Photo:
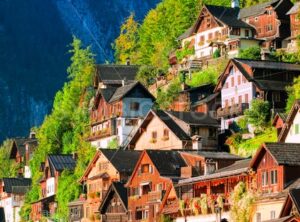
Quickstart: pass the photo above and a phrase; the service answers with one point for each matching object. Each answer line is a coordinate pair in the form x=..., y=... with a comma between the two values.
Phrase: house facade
x=271, y=22
x=116, y=112
x=167, y=130
x=12, y=196
x=294, y=26
x=52, y=168
x=107, y=166
x=152, y=175
x=276, y=166
x=245, y=80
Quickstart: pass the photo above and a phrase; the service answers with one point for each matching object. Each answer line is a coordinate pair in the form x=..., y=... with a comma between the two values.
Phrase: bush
x=217, y=53
x=250, y=53
x=207, y=76
x=147, y=74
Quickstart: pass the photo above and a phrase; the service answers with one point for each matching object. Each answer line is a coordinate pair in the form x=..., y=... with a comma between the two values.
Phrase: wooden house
x=114, y=75
x=214, y=186
x=107, y=166
x=276, y=166
x=270, y=20
x=52, y=168
x=167, y=130
x=189, y=99
x=218, y=28
x=290, y=132
x=115, y=113
x=12, y=196
x=244, y=80
x=76, y=209
x=279, y=121
x=114, y=207
x=153, y=174
x=295, y=27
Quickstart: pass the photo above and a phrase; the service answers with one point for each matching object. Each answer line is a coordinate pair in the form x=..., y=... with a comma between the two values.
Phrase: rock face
x=34, y=38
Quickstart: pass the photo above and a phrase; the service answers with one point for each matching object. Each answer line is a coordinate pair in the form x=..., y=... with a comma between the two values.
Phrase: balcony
x=107, y=132
x=232, y=111
x=154, y=196
x=191, y=65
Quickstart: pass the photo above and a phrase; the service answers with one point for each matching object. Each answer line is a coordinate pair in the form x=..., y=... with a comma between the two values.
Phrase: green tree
x=258, y=114
x=250, y=53
x=293, y=93
x=147, y=74
x=8, y=167
x=126, y=44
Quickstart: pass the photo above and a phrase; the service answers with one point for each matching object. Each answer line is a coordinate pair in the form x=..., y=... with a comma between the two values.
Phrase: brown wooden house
x=270, y=21
x=153, y=174
x=294, y=25
x=107, y=166
x=167, y=130
x=114, y=207
x=279, y=121
x=52, y=168
x=276, y=166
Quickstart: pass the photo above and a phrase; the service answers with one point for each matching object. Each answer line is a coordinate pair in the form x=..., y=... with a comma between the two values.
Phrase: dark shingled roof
x=208, y=98
x=266, y=64
x=294, y=9
x=227, y=15
x=189, y=32
x=172, y=125
x=168, y=163
x=295, y=195
x=257, y=9
x=61, y=162
x=115, y=188
x=114, y=74
x=122, y=91
x=285, y=153
x=271, y=85
x=107, y=93
x=123, y=160
x=195, y=118
x=16, y=185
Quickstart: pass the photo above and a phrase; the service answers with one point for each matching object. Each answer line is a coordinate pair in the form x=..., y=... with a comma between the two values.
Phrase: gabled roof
x=194, y=118
x=188, y=33
x=295, y=9
x=19, y=145
x=168, y=162
x=16, y=185
x=227, y=16
x=120, y=190
x=282, y=116
x=289, y=121
x=239, y=167
x=258, y=9
x=287, y=154
x=114, y=74
x=61, y=162
x=123, y=161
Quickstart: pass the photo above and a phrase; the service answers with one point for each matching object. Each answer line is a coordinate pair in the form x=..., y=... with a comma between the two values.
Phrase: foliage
x=164, y=218
x=185, y=51
x=247, y=147
x=147, y=74
x=209, y=75
x=217, y=53
x=8, y=167
x=166, y=97
x=113, y=144
x=203, y=204
x=196, y=205
x=250, y=53
x=126, y=44
x=220, y=201
x=258, y=115
x=243, y=124
x=293, y=93
x=181, y=207
x=241, y=202
x=65, y=129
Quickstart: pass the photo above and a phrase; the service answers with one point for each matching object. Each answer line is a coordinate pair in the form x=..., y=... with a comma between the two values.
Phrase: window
x=269, y=28
x=232, y=101
x=273, y=214
x=146, y=189
x=239, y=80
x=159, y=187
x=202, y=38
x=131, y=122
x=247, y=33
x=276, y=96
x=264, y=178
x=225, y=31
x=274, y=177
x=208, y=22
x=236, y=31
x=146, y=168
x=210, y=36
x=216, y=35
x=240, y=99
x=258, y=217
x=166, y=134
x=232, y=81
x=226, y=102
x=246, y=98
x=269, y=12
x=297, y=128
x=154, y=135
x=134, y=106
x=226, y=85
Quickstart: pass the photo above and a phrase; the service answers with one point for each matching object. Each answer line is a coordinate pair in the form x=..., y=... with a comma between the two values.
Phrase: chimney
x=197, y=142
x=235, y=4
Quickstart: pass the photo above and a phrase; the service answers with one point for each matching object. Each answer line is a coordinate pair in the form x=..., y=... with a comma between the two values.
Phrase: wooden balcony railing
x=192, y=64
x=154, y=196
x=231, y=111
x=101, y=134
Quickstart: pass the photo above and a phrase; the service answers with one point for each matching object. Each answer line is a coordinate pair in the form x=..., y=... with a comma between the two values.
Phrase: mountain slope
x=34, y=36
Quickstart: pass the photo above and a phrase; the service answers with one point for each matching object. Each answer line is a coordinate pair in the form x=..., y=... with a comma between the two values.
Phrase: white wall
x=203, y=218
x=27, y=173
x=50, y=186
x=10, y=210
x=293, y=136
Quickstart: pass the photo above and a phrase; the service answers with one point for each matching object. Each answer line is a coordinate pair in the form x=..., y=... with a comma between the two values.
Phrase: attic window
x=208, y=23
x=166, y=134
x=146, y=168
x=269, y=12
x=134, y=106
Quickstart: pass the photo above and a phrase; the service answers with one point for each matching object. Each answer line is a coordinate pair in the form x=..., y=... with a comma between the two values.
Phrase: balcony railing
x=231, y=111
x=154, y=196
x=191, y=64
x=101, y=134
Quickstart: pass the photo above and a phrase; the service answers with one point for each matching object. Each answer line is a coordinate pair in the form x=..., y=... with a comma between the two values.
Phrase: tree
x=250, y=53
x=8, y=167
x=293, y=93
x=126, y=44
x=147, y=74
x=258, y=114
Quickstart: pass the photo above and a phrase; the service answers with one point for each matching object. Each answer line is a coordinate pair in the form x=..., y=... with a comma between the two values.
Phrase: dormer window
x=264, y=178
x=146, y=168
x=274, y=177
x=134, y=106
